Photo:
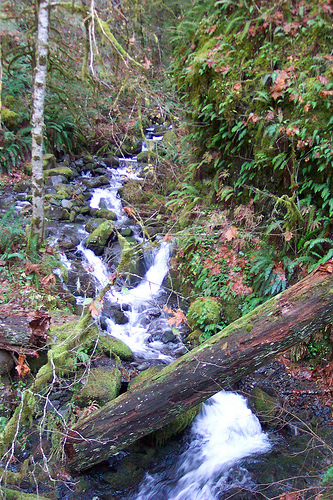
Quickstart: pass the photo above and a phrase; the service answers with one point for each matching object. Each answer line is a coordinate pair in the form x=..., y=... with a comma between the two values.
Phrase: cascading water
x=225, y=431
x=222, y=434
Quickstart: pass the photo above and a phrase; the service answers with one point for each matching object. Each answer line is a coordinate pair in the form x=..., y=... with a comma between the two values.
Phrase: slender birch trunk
x=37, y=222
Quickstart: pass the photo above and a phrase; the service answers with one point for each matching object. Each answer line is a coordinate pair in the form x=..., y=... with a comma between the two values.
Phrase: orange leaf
x=95, y=307
x=177, y=318
x=231, y=233
x=237, y=87
x=288, y=236
x=22, y=369
x=130, y=211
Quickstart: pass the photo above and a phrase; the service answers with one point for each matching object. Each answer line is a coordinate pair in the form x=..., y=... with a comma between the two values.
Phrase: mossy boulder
x=102, y=385
x=65, y=171
x=193, y=339
x=9, y=117
x=202, y=312
x=264, y=406
x=103, y=213
x=130, y=253
x=110, y=345
x=49, y=162
x=101, y=235
x=93, y=224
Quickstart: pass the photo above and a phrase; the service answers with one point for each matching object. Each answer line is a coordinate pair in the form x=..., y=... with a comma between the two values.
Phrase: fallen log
x=217, y=364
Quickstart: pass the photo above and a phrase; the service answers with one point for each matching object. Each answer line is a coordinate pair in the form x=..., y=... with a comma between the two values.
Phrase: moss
x=102, y=385
x=203, y=311
x=65, y=171
x=144, y=376
x=19, y=495
x=129, y=255
x=9, y=117
x=265, y=406
x=102, y=234
x=104, y=213
x=110, y=345
x=174, y=428
x=15, y=478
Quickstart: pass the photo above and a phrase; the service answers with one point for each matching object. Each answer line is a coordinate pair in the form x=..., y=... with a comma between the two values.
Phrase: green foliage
x=205, y=314
x=261, y=101
x=61, y=134
x=11, y=235
x=14, y=148
x=328, y=476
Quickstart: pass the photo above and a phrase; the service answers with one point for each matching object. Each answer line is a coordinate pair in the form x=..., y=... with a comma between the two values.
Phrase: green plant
x=205, y=314
x=14, y=148
x=11, y=235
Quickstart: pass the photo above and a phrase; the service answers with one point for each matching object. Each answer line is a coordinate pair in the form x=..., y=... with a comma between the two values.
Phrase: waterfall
x=224, y=432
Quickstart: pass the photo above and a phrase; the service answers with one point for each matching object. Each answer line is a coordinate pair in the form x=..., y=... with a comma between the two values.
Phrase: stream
x=209, y=462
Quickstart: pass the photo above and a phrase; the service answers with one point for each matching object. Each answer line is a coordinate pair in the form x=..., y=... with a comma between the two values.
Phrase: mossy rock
x=203, y=311
x=110, y=345
x=102, y=385
x=101, y=235
x=63, y=192
x=103, y=213
x=129, y=260
x=265, y=407
x=93, y=224
x=49, y=162
x=65, y=171
x=193, y=339
x=146, y=156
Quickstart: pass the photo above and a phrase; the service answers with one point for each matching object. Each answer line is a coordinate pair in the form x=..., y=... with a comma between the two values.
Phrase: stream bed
x=225, y=453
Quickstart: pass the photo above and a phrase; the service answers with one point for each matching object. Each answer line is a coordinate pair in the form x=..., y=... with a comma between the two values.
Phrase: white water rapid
x=225, y=431
x=222, y=434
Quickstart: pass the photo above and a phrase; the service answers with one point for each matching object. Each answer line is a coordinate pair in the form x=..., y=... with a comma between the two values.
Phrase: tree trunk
x=236, y=351
x=37, y=222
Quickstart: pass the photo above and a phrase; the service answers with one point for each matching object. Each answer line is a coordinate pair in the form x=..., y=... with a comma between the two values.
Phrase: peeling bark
x=236, y=351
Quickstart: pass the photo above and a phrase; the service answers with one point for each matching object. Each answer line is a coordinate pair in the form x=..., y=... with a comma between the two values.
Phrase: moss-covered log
x=238, y=350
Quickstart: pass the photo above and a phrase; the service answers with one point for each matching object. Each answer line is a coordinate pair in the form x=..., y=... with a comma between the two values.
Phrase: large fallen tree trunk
x=238, y=350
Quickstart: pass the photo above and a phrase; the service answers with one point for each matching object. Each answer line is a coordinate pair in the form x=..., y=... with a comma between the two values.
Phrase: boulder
x=101, y=386
x=102, y=235
x=110, y=345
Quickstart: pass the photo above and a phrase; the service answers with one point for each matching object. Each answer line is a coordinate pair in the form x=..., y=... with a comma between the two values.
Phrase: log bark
x=217, y=364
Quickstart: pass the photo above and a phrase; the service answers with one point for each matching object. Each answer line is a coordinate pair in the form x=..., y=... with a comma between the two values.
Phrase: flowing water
x=222, y=434
x=225, y=431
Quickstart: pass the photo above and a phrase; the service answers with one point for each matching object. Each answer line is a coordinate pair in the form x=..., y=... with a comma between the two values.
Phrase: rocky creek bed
x=293, y=405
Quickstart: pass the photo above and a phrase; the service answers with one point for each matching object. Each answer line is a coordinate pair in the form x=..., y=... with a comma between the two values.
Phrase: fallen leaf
x=95, y=307
x=22, y=369
x=39, y=326
x=231, y=233
x=130, y=211
x=288, y=236
x=177, y=318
